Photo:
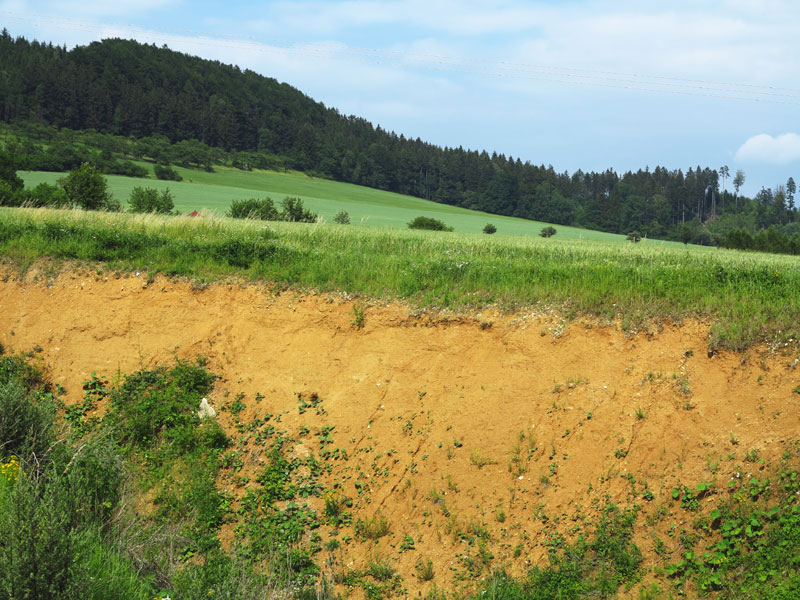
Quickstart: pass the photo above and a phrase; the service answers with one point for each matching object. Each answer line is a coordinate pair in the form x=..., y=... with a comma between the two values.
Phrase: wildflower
x=10, y=470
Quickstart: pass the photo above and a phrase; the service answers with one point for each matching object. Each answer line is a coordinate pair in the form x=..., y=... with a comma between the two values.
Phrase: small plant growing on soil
x=373, y=528
x=479, y=460
x=359, y=318
x=424, y=569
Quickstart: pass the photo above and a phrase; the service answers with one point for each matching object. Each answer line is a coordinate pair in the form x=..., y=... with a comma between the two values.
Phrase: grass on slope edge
x=749, y=297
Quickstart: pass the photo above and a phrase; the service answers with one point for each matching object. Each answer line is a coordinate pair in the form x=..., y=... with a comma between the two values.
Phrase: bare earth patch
x=477, y=437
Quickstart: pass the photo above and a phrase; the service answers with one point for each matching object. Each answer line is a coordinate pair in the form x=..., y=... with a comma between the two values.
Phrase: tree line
x=175, y=108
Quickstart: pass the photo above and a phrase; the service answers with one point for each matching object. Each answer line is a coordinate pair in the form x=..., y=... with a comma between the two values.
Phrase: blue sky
x=576, y=84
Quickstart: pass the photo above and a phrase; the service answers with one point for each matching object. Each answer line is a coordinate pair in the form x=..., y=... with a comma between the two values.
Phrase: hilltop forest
x=188, y=110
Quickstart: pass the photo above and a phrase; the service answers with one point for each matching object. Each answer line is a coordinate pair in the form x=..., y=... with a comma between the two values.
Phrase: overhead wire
x=474, y=66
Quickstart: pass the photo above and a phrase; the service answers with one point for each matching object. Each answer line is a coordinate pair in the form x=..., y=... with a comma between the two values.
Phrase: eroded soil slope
x=504, y=429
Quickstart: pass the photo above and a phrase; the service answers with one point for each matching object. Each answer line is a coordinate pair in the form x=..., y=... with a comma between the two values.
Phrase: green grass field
x=214, y=192
x=750, y=297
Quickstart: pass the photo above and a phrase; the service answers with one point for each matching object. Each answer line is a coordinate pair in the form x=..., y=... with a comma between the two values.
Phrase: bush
x=86, y=187
x=253, y=208
x=429, y=224
x=166, y=173
x=293, y=210
x=45, y=194
x=548, y=231
x=149, y=200
x=634, y=236
x=490, y=229
x=342, y=218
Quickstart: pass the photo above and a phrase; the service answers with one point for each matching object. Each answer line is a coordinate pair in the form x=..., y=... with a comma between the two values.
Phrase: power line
x=482, y=67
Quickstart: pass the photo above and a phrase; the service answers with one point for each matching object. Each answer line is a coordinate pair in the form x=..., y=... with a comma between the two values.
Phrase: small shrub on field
x=490, y=229
x=342, y=218
x=253, y=208
x=150, y=200
x=292, y=210
x=86, y=187
x=548, y=231
x=429, y=224
x=167, y=173
x=634, y=236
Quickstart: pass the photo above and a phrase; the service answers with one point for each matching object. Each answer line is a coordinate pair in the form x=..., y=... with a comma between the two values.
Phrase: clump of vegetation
x=342, y=218
x=373, y=528
x=292, y=210
x=87, y=188
x=150, y=200
x=548, y=231
x=588, y=568
x=253, y=208
x=167, y=173
x=428, y=223
x=634, y=236
x=489, y=228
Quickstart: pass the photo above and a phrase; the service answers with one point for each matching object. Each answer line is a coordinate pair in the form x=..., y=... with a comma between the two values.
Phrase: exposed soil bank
x=528, y=417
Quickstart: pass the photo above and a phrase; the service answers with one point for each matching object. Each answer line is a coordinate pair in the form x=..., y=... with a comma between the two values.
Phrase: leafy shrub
x=253, y=208
x=167, y=173
x=429, y=224
x=46, y=194
x=27, y=409
x=548, y=231
x=490, y=229
x=634, y=236
x=86, y=187
x=292, y=210
x=149, y=200
x=342, y=218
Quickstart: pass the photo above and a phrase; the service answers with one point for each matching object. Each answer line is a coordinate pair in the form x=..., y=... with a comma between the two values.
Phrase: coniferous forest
x=176, y=108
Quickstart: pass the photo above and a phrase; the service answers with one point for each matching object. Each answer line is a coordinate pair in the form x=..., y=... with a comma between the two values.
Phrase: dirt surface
x=459, y=428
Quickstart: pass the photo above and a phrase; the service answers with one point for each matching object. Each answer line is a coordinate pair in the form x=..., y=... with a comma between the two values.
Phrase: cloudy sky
x=576, y=84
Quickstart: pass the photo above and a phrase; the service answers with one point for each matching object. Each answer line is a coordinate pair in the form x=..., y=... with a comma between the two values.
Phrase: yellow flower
x=10, y=470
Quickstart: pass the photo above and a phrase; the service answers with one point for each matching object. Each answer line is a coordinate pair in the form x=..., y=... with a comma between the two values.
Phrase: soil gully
x=511, y=430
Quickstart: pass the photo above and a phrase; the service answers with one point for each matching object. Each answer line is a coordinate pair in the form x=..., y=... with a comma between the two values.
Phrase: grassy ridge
x=749, y=296
x=366, y=206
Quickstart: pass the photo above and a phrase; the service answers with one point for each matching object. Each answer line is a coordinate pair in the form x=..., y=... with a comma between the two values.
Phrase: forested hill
x=125, y=88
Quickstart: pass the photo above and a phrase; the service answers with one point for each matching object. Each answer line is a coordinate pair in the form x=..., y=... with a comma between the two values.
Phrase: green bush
x=490, y=229
x=292, y=210
x=150, y=200
x=86, y=187
x=253, y=208
x=342, y=218
x=429, y=224
x=167, y=173
x=27, y=409
x=548, y=231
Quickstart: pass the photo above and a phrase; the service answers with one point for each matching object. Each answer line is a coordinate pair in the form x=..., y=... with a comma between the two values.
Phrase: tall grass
x=749, y=296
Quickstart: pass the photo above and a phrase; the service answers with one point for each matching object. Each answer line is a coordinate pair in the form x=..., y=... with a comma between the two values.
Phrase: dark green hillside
x=178, y=105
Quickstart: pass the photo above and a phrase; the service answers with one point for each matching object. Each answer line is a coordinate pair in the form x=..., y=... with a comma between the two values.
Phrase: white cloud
x=764, y=148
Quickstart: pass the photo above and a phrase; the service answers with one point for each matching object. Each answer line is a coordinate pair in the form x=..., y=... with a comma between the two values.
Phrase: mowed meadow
x=748, y=297
x=214, y=192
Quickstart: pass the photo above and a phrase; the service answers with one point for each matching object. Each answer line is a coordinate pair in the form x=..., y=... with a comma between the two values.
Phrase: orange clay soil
x=515, y=426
